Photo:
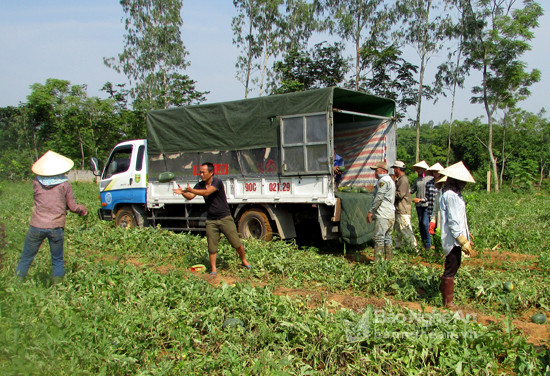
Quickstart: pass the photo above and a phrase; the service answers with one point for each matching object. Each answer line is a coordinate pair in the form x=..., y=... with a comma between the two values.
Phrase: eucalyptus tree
x=263, y=29
x=452, y=73
x=301, y=69
x=154, y=56
x=258, y=30
x=362, y=22
x=497, y=35
x=425, y=28
x=386, y=73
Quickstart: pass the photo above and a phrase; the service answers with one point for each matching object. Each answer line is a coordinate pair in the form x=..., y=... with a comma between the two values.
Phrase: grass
x=150, y=316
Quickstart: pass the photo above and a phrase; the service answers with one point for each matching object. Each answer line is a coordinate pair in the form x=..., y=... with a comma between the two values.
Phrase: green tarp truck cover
x=249, y=123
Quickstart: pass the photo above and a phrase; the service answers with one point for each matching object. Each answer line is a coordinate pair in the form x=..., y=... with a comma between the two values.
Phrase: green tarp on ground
x=354, y=228
x=249, y=123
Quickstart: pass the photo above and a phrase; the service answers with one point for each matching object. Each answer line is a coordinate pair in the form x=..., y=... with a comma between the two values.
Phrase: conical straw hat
x=459, y=172
x=51, y=164
x=441, y=181
x=436, y=167
x=422, y=164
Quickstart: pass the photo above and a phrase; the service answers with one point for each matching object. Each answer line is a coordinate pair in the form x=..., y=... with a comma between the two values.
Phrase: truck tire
x=255, y=224
x=125, y=217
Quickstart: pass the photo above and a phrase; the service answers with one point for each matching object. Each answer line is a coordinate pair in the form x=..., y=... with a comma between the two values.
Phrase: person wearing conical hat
x=432, y=192
x=53, y=195
x=455, y=235
x=421, y=201
x=434, y=219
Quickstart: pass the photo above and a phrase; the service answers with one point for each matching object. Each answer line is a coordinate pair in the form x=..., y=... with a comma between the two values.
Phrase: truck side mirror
x=94, y=166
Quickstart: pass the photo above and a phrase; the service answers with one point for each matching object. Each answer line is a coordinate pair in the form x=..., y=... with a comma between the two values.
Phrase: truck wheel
x=125, y=217
x=255, y=224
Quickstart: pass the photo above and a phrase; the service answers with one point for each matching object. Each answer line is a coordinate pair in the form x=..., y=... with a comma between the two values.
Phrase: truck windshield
x=119, y=161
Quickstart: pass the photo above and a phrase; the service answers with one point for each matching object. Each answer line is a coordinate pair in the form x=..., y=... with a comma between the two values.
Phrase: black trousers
x=452, y=262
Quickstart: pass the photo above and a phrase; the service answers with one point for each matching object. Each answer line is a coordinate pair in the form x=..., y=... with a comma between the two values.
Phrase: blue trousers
x=33, y=241
x=424, y=225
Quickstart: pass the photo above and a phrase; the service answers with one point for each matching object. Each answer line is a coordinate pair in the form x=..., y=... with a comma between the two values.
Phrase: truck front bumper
x=105, y=215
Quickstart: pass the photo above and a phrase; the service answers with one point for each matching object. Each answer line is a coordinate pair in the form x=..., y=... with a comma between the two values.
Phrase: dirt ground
x=536, y=334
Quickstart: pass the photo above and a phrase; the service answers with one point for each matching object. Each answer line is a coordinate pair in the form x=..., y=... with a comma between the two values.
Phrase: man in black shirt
x=218, y=219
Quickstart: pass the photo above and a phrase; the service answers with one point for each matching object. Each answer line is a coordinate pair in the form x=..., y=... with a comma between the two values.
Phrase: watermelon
x=231, y=323
x=165, y=177
x=508, y=286
x=539, y=318
x=199, y=268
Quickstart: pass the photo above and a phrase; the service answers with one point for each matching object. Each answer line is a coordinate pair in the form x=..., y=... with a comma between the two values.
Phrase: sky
x=68, y=39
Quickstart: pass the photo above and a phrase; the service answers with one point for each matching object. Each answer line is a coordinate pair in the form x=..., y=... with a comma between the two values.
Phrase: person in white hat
x=435, y=217
x=455, y=234
x=421, y=201
x=53, y=195
x=432, y=192
x=403, y=229
x=382, y=211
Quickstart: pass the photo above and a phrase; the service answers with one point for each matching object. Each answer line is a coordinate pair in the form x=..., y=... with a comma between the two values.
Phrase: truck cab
x=123, y=184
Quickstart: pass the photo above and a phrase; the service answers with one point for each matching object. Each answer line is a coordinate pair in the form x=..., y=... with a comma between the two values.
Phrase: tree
x=451, y=74
x=496, y=37
x=364, y=22
x=154, y=55
x=320, y=66
x=387, y=74
x=18, y=143
x=425, y=32
x=258, y=29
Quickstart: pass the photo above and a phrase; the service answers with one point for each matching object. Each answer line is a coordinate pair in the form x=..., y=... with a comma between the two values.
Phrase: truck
x=275, y=155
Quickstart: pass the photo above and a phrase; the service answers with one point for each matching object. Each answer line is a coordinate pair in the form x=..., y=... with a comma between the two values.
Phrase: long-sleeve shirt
x=435, y=213
x=453, y=220
x=402, y=195
x=431, y=194
x=383, y=198
x=51, y=204
x=419, y=187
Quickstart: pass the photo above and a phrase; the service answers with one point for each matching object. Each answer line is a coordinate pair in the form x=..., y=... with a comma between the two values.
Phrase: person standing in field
x=53, y=195
x=382, y=211
x=455, y=235
x=402, y=227
x=435, y=219
x=421, y=201
x=432, y=191
x=218, y=219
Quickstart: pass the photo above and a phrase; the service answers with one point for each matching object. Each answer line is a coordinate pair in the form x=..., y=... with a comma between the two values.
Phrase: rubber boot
x=388, y=251
x=447, y=288
x=378, y=253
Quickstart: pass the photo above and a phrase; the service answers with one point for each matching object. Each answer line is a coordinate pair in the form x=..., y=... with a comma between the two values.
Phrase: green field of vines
x=130, y=306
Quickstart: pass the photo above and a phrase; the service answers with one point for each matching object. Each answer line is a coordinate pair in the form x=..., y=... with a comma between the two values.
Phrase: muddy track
x=536, y=334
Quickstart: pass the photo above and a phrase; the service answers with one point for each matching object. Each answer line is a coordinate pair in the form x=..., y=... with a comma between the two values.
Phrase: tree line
x=277, y=55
